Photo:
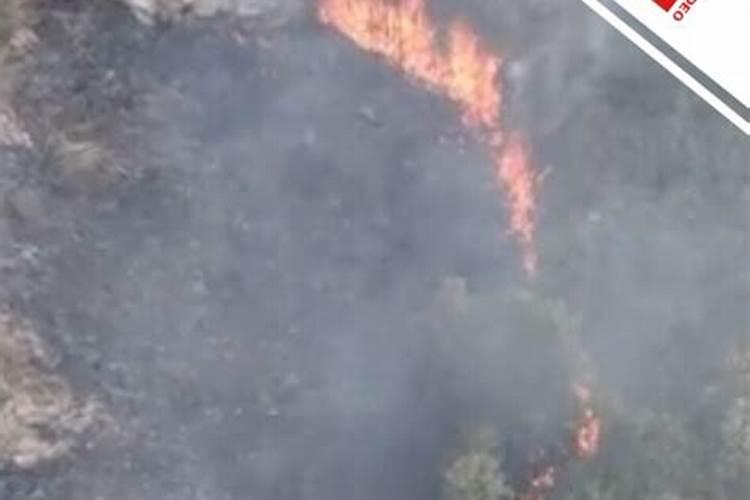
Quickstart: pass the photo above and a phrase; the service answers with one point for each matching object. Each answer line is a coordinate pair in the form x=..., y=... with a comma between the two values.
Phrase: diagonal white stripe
x=658, y=56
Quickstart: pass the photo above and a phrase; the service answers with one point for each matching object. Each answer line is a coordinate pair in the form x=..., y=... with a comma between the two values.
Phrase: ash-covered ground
x=279, y=270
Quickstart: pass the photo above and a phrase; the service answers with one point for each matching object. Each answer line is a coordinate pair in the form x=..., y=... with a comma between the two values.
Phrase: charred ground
x=282, y=269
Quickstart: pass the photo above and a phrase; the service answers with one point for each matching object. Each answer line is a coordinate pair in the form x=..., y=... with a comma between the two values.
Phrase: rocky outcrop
x=40, y=418
x=148, y=11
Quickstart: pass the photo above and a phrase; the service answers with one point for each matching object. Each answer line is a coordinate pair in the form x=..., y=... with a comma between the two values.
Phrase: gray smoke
x=298, y=283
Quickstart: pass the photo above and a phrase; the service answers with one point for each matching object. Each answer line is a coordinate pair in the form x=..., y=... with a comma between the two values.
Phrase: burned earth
x=286, y=250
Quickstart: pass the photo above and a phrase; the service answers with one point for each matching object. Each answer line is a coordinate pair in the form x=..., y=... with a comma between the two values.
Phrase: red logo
x=666, y=4
x=679, y=13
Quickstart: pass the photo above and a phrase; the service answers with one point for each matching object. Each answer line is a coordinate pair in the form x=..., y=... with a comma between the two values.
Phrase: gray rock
x=148, y=11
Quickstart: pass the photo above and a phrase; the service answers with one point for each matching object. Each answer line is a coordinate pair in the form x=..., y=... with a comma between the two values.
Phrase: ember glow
x=584, y=446
x=588, y=429
x=541, y=484
x=461, y=70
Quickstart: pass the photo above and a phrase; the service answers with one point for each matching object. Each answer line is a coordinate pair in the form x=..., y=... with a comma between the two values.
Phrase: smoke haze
x=297, y=282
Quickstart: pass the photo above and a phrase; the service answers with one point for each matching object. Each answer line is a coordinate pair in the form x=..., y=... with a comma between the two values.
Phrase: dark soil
x=245, y=271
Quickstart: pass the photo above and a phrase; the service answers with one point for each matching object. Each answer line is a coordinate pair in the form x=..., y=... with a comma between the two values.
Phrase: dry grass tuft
x=80, y=165
x=16, y=40
x=15, y=35
x=40, y=418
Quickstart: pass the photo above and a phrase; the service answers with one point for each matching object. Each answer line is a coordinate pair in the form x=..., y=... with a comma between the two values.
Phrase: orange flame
x=402, y=33
x=514, y=173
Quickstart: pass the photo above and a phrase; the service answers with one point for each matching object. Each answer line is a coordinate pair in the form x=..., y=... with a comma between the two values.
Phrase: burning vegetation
x=588, y=427
x=286, y=289
x=462, y=70
x=584, y=445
